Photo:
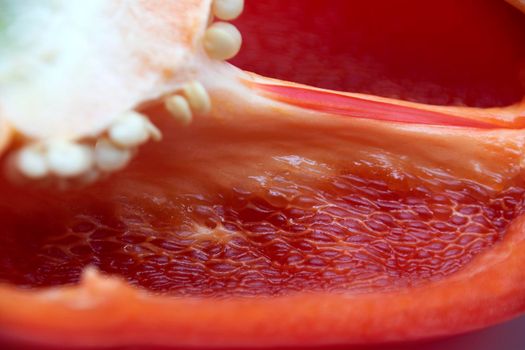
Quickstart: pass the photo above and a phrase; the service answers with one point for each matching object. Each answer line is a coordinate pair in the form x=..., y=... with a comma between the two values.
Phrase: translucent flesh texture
x=353, y=232
x=447, y=53
x=293, y=220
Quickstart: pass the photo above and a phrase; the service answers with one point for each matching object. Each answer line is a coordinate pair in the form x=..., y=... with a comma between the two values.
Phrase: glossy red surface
x=364, y=230
x=444, y=52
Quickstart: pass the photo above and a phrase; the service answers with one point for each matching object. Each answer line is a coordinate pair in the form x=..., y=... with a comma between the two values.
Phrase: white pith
x=74, y=70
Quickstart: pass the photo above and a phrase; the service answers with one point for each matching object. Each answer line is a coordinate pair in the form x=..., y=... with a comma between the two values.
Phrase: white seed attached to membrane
x=130, y=130
x=197, y=97
x=227, y=9
x=179, y=108
x=68, y=159
x=109, y=157
x=31, y=162
x=153, y=131
x=222, y=41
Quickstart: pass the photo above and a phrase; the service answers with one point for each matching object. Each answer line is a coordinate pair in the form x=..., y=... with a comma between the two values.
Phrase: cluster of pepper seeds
x=73, y=161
